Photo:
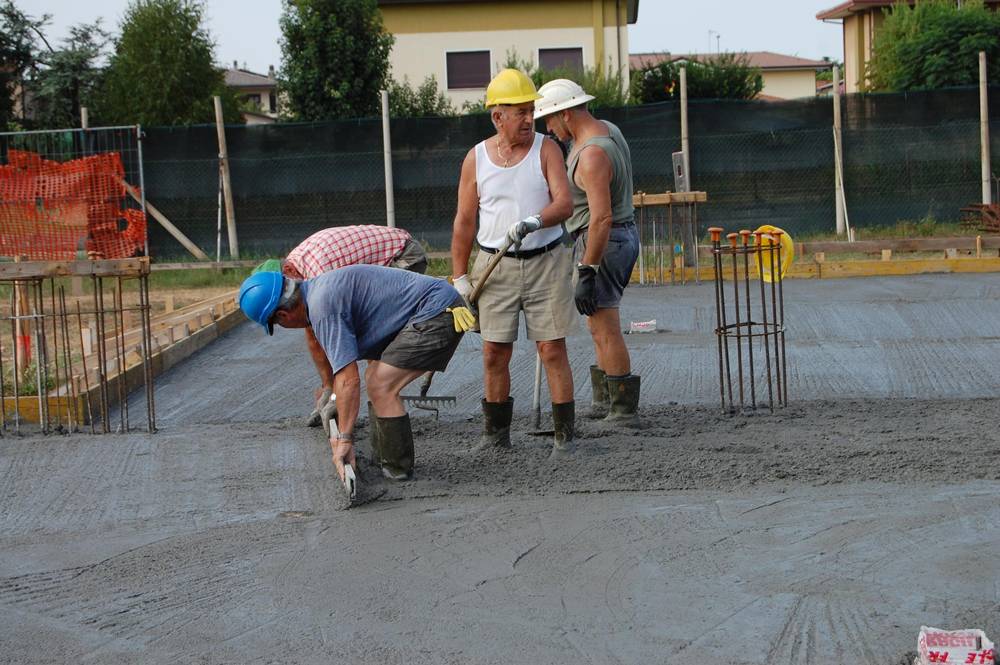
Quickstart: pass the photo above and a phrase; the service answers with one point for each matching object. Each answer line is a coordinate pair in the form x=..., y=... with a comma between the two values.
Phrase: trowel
x=350, y=482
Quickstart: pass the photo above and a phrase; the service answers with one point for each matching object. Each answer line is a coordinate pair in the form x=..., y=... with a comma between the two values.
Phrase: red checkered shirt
x=342, y=246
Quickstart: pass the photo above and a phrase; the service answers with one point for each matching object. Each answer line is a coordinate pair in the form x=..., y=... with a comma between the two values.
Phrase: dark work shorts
x=616, y=266
x=427, y=346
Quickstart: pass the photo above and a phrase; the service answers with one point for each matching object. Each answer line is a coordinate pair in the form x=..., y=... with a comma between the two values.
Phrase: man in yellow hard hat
x=515, y=182
x=607, y=244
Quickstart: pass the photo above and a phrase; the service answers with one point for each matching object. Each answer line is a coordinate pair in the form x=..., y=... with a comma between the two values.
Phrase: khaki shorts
x=540, y=286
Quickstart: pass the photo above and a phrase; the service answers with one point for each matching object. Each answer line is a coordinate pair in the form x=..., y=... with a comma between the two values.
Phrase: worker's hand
x=463, y=286
x=322, y=397
x=464, y=319
x=585, y=293
x=343, y=453
x=328, y=413
x=518, y=231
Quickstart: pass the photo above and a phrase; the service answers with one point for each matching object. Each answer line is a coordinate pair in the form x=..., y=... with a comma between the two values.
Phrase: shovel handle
x=494, y=262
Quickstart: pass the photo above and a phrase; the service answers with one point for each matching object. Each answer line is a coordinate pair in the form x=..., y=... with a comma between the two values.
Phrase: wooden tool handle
x=494, y=262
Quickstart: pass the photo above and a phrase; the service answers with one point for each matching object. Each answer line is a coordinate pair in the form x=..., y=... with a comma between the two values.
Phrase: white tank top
x=509, y=195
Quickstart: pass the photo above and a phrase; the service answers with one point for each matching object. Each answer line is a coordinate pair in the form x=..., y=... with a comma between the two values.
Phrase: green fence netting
x=906, y=157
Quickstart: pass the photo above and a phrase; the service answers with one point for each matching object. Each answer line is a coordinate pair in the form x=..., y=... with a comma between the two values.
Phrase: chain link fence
x=906, y=157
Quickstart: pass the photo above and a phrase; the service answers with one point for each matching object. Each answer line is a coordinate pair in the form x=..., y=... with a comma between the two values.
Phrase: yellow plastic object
x=510, y=86
x=787, y=252
x=463, y=319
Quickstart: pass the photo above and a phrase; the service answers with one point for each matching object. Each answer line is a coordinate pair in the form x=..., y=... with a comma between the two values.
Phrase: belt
x=527, y=253
x=616, y=225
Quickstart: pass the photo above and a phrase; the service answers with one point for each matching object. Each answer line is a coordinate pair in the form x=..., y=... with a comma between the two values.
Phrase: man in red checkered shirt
x=339, y=247
x=342, y=246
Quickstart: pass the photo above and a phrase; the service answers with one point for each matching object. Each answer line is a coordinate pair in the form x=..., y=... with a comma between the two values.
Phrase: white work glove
x=518, y=231
x=327, y=414
x=463, y=286
x=314, y=417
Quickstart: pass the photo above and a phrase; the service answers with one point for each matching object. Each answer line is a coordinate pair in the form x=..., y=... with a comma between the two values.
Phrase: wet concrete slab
x=825, y=533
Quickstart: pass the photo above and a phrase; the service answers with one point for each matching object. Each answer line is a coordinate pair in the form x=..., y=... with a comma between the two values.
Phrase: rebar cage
x=753, y=315
x=75, y=333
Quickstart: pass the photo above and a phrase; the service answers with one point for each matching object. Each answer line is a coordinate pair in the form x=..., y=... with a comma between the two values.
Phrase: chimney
x=270, y=71
x=236, y=65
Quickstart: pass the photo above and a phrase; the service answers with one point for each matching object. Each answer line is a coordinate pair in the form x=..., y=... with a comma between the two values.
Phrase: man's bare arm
x=464, y=228
x=593, y=175
x=554, y=169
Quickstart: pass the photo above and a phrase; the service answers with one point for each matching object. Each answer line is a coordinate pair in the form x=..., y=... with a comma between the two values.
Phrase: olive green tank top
x=621, y=181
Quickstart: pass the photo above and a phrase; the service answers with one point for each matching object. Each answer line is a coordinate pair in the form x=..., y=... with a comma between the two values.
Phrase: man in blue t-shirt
x=403, y=323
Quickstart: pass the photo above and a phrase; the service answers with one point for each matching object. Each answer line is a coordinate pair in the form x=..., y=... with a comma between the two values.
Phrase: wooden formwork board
x=836, y=269
x=27, y=407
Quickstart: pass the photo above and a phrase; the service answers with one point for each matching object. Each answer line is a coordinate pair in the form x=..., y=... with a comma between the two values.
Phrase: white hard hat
x=559, y=95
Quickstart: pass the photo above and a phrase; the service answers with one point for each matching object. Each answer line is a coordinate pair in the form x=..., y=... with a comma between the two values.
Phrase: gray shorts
x=412, y=257
x=616, y=266
x=427, y=346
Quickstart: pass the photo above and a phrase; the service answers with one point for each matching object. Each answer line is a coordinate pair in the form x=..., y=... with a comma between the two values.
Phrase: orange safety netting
x=48, y=208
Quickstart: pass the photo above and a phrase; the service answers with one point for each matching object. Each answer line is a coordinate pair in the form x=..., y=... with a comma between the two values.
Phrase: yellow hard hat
x=511, y=86
x=787, y=252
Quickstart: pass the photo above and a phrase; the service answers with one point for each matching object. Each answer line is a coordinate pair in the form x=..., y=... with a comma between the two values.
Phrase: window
x=468, y=69
x=252, y=100
x=561, y=58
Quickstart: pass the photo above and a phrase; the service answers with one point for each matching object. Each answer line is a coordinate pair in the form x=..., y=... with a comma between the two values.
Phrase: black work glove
x=586, y=290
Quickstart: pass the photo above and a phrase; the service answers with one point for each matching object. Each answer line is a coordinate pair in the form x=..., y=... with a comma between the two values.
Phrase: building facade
x=464, y=43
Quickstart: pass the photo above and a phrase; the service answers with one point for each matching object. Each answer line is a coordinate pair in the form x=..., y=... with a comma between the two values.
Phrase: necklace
x=506, y=160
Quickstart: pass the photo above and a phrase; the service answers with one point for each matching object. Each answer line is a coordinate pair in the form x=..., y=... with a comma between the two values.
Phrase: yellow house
x=784, y=76
x=464, y=43
x=861, y=21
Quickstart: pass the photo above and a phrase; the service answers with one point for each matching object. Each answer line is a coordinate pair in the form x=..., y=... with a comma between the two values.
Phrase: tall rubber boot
x=395, y=444
x=599, y=403
x=624, y=395
x=374, y=440
x=496, y=425
x=563, y=421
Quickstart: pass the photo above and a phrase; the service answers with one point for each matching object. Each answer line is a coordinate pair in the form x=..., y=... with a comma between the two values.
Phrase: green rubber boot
x=599, y=403
x=564, y=423
x=624, y=395
x=395, y=444
x=496, y=425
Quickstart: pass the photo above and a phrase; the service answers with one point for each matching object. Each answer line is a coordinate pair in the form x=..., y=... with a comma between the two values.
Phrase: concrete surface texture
x=828, y=532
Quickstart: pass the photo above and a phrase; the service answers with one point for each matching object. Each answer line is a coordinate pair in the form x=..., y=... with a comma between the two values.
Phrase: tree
x=934, y=44
x=69, y=77
x=335, y=58
x=723, y=76
x=18, y=33
x=162, y=71
x=424, y=101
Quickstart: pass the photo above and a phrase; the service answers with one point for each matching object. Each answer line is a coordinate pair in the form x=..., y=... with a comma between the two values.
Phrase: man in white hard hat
x=515, y=182
x=606, y=242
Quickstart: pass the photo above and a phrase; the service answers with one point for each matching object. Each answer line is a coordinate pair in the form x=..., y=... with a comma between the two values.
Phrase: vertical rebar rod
x=101, y=350
x=745, y=241
x=670, y=238
x=119, y=343
x=642, y=231
x=41, y=357
x=660, y=220
x=763, y=308
x=716, y=234
x=772, y=250
x=55, y=353
x=123, y=372
x=3, y=393
x=83, y=359
x=147, y=356
x=68, y=357
x=739, y=321
x=781, y=327
x=16, y=369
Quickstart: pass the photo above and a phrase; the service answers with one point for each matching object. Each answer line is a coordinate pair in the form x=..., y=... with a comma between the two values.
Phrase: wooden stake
x=227, y=188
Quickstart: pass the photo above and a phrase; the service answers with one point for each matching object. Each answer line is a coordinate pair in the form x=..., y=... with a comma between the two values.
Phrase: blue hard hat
x=259, y=296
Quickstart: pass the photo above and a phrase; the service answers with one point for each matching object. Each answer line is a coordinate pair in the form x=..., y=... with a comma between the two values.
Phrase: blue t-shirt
x=356, y=311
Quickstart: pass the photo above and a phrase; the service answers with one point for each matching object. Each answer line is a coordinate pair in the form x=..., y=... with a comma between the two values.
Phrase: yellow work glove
x=463, y=318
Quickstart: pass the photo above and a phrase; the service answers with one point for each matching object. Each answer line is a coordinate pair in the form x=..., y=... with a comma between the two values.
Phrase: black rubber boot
x=496, y=425
x=395, y=443
x=564, y=423
x=599, y=402
x=374, y=440
x=624, y=395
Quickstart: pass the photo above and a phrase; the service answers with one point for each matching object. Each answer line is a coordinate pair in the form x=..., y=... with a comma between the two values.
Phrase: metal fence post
x=838, y=140
x=984, y=129
x=390, y=203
